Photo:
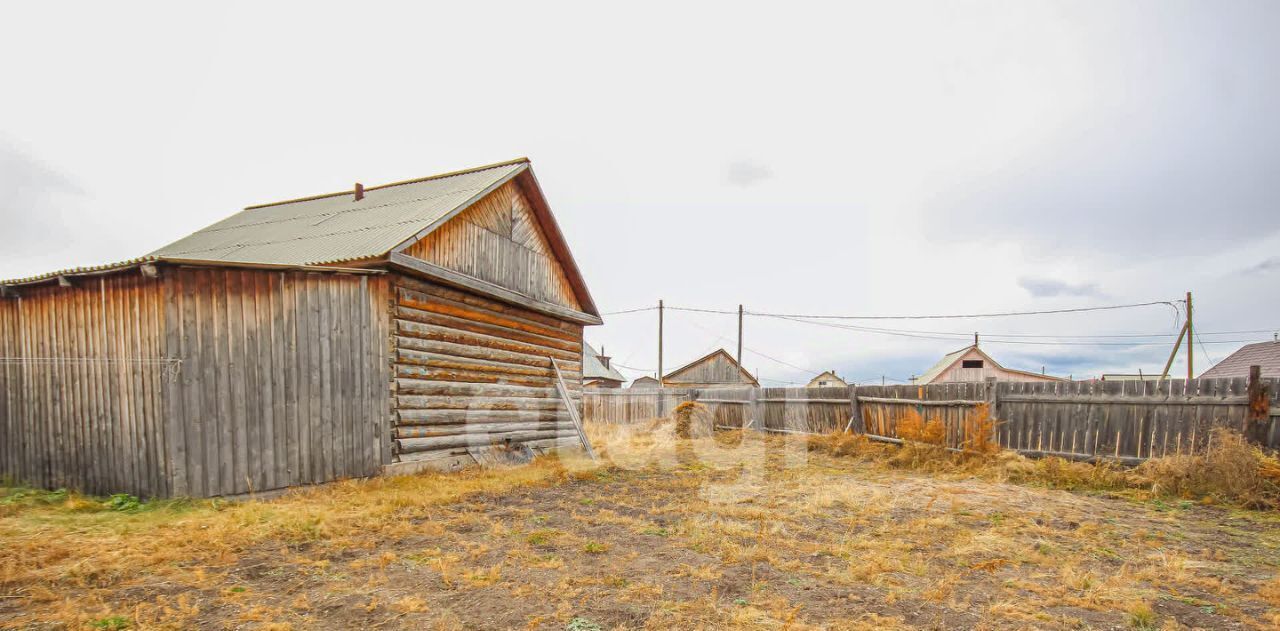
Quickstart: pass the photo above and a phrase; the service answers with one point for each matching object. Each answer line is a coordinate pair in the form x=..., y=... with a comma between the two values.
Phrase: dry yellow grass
x=735, y=531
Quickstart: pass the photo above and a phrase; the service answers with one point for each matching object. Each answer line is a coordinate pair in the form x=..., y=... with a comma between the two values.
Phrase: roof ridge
x=438, y=176
x=335, y=213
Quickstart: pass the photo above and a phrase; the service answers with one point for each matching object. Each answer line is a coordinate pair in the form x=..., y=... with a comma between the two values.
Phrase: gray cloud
x=746, y=173
x=28, y=204
x=1184, y=161
x=1050, y=287
x=1267, y=265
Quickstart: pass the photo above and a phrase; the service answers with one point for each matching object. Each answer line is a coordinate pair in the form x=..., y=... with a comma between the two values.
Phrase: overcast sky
x=859, y=159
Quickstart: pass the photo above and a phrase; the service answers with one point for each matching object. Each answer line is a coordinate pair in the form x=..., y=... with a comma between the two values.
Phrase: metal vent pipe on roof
x=359, y=191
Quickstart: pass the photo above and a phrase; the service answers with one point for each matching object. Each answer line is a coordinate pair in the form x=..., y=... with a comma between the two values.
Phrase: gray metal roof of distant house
x=593, y=368
x=1265, y=354
x=336, y=228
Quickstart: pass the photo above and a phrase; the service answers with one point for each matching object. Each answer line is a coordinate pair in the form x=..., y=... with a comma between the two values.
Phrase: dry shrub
x=913, y=428
x=980, y=431
x=693, y=420
x=1231, y=470
x=844, y=445
x=922, y=445
x=1060, y=473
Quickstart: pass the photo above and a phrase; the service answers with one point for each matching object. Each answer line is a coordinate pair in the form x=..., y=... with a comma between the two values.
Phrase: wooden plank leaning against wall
x=470, y=370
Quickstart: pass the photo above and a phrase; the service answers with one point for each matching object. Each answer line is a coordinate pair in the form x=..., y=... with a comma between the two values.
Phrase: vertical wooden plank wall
x=471, y=371
x=283, y=378
x=621, y=407
x=82, y=386
x=11, y=387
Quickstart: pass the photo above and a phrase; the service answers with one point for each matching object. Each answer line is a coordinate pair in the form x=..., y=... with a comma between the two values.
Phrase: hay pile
x=1231, y=471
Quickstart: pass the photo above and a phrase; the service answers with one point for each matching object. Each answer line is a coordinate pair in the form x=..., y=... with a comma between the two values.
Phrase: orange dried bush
x=980, y=431
x=913, y=427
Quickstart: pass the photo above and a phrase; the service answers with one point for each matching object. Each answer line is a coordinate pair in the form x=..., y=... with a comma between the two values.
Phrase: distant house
x=1264, y=354
x=644, y=383
x=715, y=369
x=596, y=371
x=972, y=364
x=827, y=379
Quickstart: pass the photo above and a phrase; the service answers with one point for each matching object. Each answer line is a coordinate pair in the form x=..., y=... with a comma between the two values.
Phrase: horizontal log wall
x=472, y=371
x=1087, y=420
x=283, y=378
x=82, y=373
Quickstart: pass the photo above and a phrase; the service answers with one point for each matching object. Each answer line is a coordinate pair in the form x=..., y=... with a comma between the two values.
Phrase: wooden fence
x=1087, y=420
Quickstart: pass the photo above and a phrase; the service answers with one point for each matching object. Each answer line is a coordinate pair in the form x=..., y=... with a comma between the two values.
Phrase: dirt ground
x=742, y=532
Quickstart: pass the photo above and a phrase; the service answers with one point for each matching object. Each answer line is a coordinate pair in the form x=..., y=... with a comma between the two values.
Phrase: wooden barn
x=716, y=369
x=342, y=335
x=644, y=383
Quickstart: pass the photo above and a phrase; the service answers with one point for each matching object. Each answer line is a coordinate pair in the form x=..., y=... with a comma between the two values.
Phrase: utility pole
x=1186, y=332
x=659, y=343
x=1191, y=373
x=739, y=342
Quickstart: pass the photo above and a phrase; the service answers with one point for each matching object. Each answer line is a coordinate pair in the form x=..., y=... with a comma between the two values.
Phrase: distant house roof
x=337, y=228
x=1118, y=376
x=830, y=374
x=944, y=363
x=593, y=368
x=722, y=355
x=1264, y=354
x=954, y=356
x=644, y=382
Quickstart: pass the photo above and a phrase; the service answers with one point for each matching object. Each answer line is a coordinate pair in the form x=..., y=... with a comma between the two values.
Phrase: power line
x=1169, y=303
x=630, y=311
x=699, y=310
x=1202, y=348
x=851, y=327
x=993, y=337
x=721, y=338
x=774, y=359
x=643, y=370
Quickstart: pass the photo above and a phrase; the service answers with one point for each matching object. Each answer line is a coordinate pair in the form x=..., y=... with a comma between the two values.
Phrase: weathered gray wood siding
x=470, y=370
x=283, y=378
x=201, y=382
x=81, y=380
x=498, y=240
x=711, y=371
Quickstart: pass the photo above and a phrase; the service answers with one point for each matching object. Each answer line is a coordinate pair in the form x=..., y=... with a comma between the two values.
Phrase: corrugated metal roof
x=943, y=364
x=1264, y=354
x=336, y=228
x=593, y=368
x=72, y=271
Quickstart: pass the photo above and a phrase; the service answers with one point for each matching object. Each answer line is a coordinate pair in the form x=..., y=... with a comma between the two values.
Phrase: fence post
x=1259, y=413
x=752, y=407
x=855, y=420
x=993, y=401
